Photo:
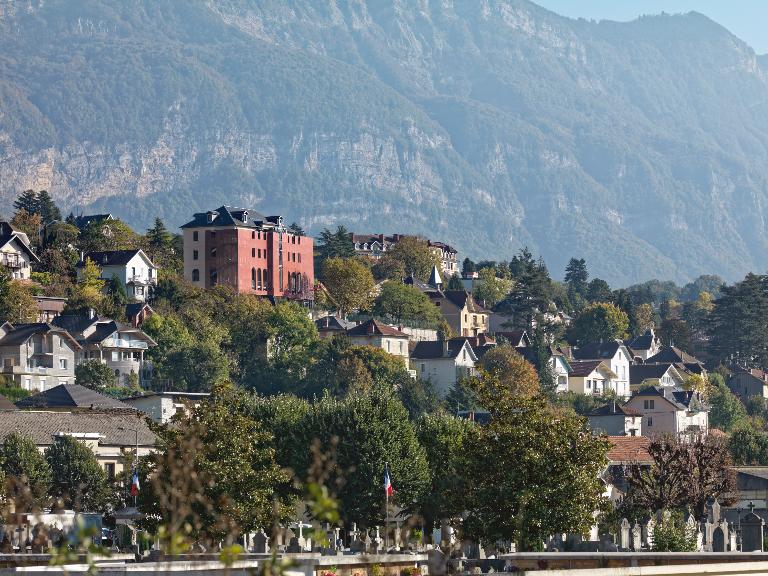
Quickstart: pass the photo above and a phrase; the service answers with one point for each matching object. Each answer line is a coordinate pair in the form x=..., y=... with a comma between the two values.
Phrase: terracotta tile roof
x=629, y=450
x=6, y=404
x=373, y=327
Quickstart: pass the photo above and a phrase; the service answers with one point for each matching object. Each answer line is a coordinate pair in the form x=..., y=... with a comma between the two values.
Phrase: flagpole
x=386, y=508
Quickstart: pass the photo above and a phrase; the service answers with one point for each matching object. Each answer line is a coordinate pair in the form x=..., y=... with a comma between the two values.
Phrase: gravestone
x=437, y=536
x=378, y=541
x=732, y=544
x=637, y=538
x=337, y=544
x=715, y=512
x=261, y=543
x=699, y=541
x=752, y=531
x=294, y=546
x=607, y=544
x=437, y=562
x=709, y=530
x=625, y=529
x=720, y=538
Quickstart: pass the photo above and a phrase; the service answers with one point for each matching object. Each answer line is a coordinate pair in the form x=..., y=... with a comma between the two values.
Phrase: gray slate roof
x=110, y=257
x=42, y=426
x=23, y=332
x=231, y=216
x=70, y=396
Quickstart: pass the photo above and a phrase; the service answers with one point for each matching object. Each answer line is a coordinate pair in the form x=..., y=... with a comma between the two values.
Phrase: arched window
x=299, y=283
x=258, y=278
x=253, y=278
x=265, y=277
x=195, y=275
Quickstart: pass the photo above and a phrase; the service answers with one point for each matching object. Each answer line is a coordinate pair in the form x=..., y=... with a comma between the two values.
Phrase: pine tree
x=158, y=236
x=47, y=208
x=27, y=202
x=576, y=276
x=295, y=229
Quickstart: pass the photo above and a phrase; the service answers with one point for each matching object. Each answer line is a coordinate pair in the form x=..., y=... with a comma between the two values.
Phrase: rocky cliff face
x=491, y=125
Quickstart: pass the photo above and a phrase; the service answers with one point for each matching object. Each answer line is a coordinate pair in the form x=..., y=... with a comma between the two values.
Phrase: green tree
x=675, y=332
x=158, y=237
x=101, y=235
x=388, y=269
x=61, y=236
x=404, y=303
x=349, y=283
x=78, y=481
x=232, y=458
x=29, y=223
x=416, y=256
x=372, y=428
x=737, y=329
x=89, y=291
x=468, y=267
x=597, y=322
x=576, y=276
x=27, y=201
x=534, y=471
x=531, y=293
x=95, y=375
x=26, y=471
x=48, y=210
x=17, y=304
x=455, y=283
x=748, y=446
x=490, y=289
x=295, y=229
x=336, y=244
x=446, y=439
x=672, y=534
x=598, y=290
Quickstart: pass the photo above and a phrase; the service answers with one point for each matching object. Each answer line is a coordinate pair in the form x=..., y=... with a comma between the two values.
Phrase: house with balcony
x=616, y=356
x=133, y=268
x=122, y=348
x=591, y=377
x=37, y=356
x=614, y=419
x=16, y=252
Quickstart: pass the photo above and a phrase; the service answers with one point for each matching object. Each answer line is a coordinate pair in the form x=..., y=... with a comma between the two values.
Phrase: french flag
x=388, y=489
x=135, y=483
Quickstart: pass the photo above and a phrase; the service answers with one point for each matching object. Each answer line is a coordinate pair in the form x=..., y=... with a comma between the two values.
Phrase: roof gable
x=373, y=327
x=70, y=396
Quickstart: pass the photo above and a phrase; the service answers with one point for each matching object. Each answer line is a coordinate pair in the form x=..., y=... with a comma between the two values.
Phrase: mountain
x=488, y=124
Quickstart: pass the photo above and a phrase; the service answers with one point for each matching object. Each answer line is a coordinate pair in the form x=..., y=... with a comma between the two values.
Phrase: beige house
x=37, y=356
x=374, y=333
x=15, y=252
x=670, y=410
x=112, y=435
x=593, y=377
x=465, y=316
x=163, y=406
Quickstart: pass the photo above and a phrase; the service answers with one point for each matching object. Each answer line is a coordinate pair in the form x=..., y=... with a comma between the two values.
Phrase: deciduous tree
x=349, y=284
x=95, y=375
x=416, y=256
x=491, y=289
x=597, y=322
x=404, y=303
x=78, y=481
x=515, y=376
x=26, y=471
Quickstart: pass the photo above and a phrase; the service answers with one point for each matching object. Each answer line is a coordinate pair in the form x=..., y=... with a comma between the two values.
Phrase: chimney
x=613, y=406
x=91, y=313
x=445, y=348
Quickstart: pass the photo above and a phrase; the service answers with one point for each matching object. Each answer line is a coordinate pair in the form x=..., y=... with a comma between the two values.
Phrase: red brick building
x=252, y=253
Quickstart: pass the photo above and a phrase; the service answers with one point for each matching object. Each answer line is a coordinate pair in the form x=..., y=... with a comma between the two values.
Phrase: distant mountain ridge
x=491, y=125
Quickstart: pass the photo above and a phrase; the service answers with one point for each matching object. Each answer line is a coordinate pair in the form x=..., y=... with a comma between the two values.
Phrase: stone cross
x=625, y=528
x=336, y=539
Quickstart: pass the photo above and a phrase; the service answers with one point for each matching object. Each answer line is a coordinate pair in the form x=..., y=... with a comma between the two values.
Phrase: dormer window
x=245, y=217
x=211, y=217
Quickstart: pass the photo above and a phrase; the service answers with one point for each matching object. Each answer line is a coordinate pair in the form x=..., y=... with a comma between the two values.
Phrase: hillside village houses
x=670, y=410
x=444, y=363
x=15, y=252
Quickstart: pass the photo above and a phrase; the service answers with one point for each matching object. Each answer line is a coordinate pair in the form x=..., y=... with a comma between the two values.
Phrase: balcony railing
x=13, y=261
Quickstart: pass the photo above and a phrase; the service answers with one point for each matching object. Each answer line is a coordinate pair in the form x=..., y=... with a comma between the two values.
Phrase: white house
x=443, y=363
x=616, y=356
x=592, y=377
x=133, y=269
x=561, y=369
x=670, y=410
x=15, y=252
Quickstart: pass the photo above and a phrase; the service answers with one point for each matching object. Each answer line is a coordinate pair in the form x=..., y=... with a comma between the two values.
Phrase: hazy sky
x=747, y=19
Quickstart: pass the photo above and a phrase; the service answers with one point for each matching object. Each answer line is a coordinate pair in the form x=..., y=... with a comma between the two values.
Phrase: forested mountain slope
x=492, y=124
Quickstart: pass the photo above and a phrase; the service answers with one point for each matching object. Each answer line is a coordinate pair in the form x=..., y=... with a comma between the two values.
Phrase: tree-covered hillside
x=640, y=146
